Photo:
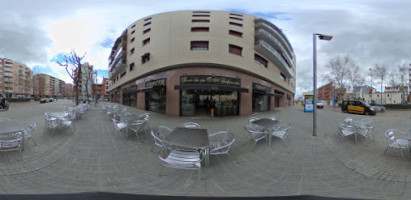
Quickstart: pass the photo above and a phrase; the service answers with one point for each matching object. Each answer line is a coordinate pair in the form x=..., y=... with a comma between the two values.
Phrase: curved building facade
x=202, y=62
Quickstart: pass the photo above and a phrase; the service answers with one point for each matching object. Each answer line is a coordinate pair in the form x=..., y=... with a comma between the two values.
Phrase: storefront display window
x=260, y=99
x=156, y=100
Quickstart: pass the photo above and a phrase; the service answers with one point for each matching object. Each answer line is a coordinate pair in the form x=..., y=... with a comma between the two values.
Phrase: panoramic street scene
x=205, y=100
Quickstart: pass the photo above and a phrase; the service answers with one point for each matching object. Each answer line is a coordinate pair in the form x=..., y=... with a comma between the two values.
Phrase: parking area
x=94, y=159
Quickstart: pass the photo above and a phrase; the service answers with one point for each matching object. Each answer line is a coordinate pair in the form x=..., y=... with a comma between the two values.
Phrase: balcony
x=8, y=80
x=120, y=42
x=262, y=34
x=261, y=23
x=8, y=75
x=270, y=52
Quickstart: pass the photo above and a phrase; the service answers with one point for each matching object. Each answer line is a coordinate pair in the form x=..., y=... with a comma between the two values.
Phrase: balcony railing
x=270, y=52
x=273, y=41
x=260, y=23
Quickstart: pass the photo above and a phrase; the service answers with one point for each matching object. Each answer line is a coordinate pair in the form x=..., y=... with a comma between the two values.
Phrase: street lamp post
x=95, y=88
x=321, y=37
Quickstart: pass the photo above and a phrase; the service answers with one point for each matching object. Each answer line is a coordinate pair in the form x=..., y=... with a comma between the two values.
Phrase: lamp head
x=325, y=37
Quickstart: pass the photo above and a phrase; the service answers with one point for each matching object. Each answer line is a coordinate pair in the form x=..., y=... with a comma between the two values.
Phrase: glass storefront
x=130, y=99
x=260, y=99
x=156, y=100
x=201, y=102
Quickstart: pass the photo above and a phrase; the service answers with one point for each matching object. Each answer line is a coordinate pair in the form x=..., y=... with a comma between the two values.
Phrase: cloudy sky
x=372, y=32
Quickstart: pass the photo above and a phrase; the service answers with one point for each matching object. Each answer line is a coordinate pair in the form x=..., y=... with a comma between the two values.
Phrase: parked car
x=43, y=100
x=320, y=104
x=51, y=100
x=357, y=107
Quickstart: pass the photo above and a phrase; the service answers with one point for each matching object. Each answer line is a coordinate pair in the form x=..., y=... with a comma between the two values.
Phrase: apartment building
x=48, y=86
x=184, y=63
x=86, y=81
x=16, y=79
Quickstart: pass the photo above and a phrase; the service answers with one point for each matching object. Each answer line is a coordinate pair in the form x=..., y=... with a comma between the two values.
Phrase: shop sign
x=156, y=83
x=260, y=87
x=205, y=79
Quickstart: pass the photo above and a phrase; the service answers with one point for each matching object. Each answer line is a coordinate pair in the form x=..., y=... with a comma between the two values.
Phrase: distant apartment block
x=69, y=90
x=15, y=79
x=86, y=81
x=100, y=89
x=46, y=85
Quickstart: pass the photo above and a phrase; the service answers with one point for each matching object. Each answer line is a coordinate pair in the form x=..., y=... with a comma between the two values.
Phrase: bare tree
x=393, y=80
x=356, y=79
x=380, y=73
x=338, y=71
x=72, y=64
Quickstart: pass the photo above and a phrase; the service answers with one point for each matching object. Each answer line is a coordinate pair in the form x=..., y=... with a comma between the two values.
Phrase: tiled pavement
x=93, y=159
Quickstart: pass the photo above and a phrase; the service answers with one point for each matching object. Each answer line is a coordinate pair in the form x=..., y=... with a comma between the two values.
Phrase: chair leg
x=386, y=150
x=252, y=149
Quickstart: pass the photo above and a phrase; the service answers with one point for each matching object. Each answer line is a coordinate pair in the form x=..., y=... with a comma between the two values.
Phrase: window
x=131, y=66
x=260, y=60
x=236, y=24
x=199, y=45
x=234, y=14
x=122, y=74
x=132, y=51
x=282, y=76
x=200, y=29
x=145, y=58
x=146, y=41
x=147, y=19
x=132, y=40
x=148, y=23
x=133, y=26
x=236, y=18
x=106, y=87
x=200, y=20
x=201, y=11
x=235, y=33
x=201, y=15
x=147, y=30
x=235, y=49
x=132, y=32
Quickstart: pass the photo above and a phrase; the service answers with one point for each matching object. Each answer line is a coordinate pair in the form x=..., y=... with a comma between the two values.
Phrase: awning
x=149, y=89
x=210, y=87
x=274, y=94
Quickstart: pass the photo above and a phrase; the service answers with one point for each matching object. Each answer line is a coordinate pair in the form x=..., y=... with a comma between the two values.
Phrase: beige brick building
x=48, y=86
x=16, y=79
x=191, y=62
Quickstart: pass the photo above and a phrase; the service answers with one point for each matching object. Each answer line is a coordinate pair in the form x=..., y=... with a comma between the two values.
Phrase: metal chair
x=256, y=133
x=395, y=143
x=220, y=142
x=69, y=122
x=191, y=125
x=29, y=127
x=12, y=141
x=136, y=126
x=345, y=130
x=51, y=122
x=182, y=159
x=281, y=132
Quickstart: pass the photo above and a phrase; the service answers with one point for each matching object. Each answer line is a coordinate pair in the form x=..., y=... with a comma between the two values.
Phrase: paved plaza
x=93, y=159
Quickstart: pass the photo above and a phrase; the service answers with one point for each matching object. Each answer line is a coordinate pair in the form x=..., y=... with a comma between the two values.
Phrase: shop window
x=199, y=45
x=148, y=23
x=201, y=11
x=234, y=14
x=236, y=18
x=200, y=29
x=132, y=51
x=131, y=66
x=235, y=33
x=146, y=41
x=145, y=58
x=282, y=76
x=196, y=15
x=235, y=49
x=147, y=19
x=260, y=60
x=236, y=24
x=147, y=30
x=201, y=20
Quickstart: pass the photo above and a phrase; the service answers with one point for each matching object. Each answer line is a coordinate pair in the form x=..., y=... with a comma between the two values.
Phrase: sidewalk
x=94, y=159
